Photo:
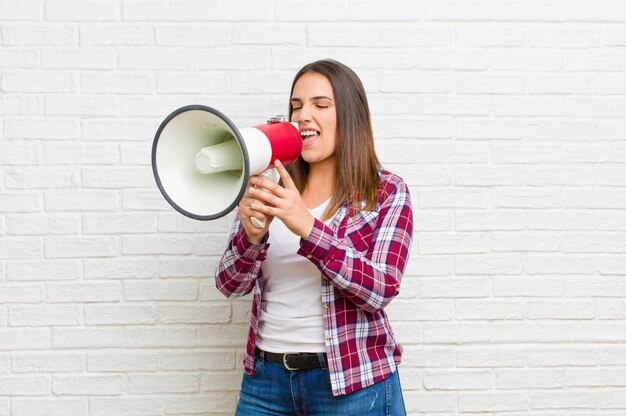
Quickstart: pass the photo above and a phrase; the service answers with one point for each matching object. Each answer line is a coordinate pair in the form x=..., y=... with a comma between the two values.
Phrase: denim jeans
x=273, y=390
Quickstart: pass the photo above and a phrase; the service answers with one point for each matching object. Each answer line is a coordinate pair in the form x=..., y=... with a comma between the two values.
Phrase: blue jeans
x=273, y=390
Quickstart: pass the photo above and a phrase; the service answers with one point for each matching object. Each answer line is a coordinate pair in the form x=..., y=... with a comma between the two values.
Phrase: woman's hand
x=246, y=213
x=273, y=200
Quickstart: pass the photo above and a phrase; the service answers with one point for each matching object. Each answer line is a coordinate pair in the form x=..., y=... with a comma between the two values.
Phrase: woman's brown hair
x=356, y=163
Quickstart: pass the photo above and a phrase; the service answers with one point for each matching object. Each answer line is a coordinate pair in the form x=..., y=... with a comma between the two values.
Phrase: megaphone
x=202, y=162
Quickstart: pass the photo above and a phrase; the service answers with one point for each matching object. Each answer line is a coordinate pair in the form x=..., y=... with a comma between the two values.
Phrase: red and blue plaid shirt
x=361, y=258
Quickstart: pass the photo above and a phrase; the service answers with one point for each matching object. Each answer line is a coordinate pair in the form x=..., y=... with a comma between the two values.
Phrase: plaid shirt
x=361, y=259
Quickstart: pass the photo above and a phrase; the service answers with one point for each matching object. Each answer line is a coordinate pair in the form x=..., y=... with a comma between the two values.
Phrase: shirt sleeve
x=369, y=279
x=240, y=265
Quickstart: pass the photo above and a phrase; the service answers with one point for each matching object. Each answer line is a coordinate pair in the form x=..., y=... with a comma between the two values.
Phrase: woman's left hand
x=282, y=202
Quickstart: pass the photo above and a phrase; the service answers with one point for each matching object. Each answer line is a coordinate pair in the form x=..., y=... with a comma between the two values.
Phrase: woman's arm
x=370, y=280
x=240, y=265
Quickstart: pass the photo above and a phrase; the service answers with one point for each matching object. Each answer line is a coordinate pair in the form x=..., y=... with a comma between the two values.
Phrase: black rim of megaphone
x=244, y=151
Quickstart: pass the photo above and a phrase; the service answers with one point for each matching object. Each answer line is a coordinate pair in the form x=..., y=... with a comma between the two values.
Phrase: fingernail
x=251, y=190
x=253, y=180
x=253, y=205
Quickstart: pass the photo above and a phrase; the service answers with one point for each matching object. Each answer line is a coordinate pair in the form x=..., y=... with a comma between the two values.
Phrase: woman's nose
x=304, y=114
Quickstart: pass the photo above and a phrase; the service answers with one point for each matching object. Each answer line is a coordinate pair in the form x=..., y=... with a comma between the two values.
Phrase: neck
x=321, y=182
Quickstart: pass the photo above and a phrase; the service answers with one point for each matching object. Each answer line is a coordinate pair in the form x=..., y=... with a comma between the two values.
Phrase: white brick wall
x=505, y=117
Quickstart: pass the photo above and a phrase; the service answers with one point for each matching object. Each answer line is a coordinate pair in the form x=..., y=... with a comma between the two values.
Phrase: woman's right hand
x=254, y=233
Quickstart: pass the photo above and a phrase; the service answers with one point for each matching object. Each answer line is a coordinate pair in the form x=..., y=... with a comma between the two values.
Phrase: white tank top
x=291, y=318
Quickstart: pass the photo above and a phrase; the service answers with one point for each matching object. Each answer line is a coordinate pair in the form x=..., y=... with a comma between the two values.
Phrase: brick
x=45, y=316
x=260, y=33
x=563, y=400
x=78, y=246
x=554, y=309
x=453, y=243
x=15, y=10
x=39, y=81
x=302, y=11
x=119, y=315
x=81, y=201
x=49, y=407
x=20, y=248
x=470, y=83
x=25, y=386
x=122, y=360
x=21, y=339
x=527, y=198
x=457, y=380
x=126, y=267
x=119, y=223
x=75, y=58
x=207, y=83
x=557, y=176
x=196, y=35
x=490, y=264
x=441, y=332
x=520, y=242
x=159, y=337
x=178, y=314
x=18, y=104
x=21, y=294
x=135, y=245
x=91, y=10
x=490, y=356
x=416, y=34
x=490, y=221
x=454, y=287
x=87, y=338
x=489, y=129
x=48, y=362
x=83, y=154
x=117, y=177
x=164, y=383
x=488, y=310
x=123, y=405
x=216, y=401
x=453, y=198
x=44, y=270
x=116, y=130
x=83, y=292
x=497, y=35
x=463, y=105
x=42, y=129
x=111, y=34
x=111, y=83
x=160, y=290
x=88, y=385
x=190, y=360
x=36, y=177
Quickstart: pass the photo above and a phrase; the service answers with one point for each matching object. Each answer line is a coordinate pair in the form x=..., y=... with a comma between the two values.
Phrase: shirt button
x=326, y=305
x=308, y=256
x=329, y=339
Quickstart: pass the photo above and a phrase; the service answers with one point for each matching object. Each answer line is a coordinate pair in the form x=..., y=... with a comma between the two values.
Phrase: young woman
x=330, y=258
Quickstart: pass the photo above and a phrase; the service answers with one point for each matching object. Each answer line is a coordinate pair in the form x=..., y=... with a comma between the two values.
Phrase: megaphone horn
x=202, y=162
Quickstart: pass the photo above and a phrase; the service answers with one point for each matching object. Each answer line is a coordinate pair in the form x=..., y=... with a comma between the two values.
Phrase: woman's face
x=314, y=110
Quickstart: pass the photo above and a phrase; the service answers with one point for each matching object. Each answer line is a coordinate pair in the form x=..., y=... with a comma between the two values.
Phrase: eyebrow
x=317, y=97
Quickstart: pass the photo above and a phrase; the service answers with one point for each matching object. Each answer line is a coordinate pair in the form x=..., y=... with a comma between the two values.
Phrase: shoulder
x=389, y=185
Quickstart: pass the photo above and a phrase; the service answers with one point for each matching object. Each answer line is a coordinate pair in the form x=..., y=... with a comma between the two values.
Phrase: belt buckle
x=285, y=356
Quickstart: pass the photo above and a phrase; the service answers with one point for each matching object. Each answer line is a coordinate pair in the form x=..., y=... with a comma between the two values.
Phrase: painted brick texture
x=506, y=118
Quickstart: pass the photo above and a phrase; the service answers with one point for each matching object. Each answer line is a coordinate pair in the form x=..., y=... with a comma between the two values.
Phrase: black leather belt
x=294, y=361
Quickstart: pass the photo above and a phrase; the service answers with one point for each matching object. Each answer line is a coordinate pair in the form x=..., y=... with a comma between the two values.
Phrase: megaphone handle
x=273, y=175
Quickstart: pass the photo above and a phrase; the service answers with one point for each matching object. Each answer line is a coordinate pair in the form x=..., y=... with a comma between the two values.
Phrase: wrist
x=307, y=228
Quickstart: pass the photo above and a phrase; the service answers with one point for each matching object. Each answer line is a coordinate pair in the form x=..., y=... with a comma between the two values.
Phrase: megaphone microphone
x=202, y=162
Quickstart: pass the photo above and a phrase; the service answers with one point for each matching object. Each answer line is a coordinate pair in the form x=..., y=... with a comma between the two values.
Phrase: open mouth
x=309, y=134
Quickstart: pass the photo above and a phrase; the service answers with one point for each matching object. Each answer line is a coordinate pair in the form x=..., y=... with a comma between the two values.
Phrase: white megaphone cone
x=202, y=162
